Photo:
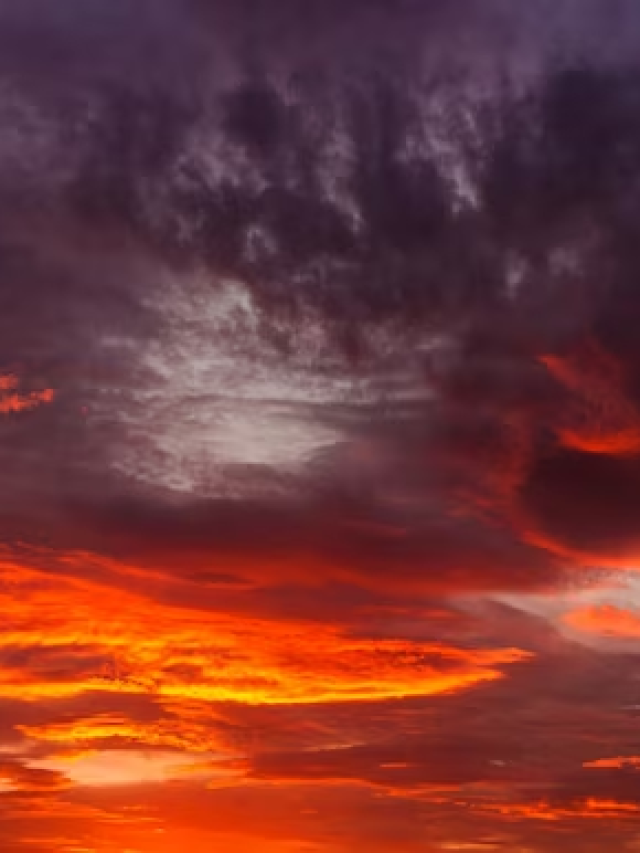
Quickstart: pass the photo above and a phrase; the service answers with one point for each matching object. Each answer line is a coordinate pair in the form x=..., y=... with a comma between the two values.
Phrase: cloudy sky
x=319, y=426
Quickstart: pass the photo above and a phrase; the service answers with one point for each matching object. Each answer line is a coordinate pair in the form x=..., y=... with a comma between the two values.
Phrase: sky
x=319, y=426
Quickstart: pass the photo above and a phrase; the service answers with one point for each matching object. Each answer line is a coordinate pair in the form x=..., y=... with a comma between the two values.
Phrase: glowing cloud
x=13, y=401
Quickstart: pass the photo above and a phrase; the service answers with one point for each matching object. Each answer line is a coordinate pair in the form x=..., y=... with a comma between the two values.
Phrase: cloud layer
x=319, y=408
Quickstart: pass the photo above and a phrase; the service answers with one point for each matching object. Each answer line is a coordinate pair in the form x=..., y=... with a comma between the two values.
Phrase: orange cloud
x=12, y=401
x=65, y=638
x=176, y=732
x=115, y=767
x=619, y=763
x=591, y=807
x=16, y=776
x=606, y=620
x=104, y=639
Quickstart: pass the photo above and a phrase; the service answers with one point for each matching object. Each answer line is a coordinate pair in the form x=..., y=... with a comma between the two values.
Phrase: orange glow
x=618, y=763
x=606, y=620
x=97, y=641
x=146, y=647
x=591, y=807
x=11, y=400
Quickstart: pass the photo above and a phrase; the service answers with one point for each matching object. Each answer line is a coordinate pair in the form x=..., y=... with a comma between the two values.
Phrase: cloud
x=318, y=331
x=619, y=763
x=606, y=620
x=15, y=776
x=13, y=401
x=378, y=344
x=45, y=653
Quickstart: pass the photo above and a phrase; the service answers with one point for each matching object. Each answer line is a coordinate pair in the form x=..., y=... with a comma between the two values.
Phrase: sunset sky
x=319, y=426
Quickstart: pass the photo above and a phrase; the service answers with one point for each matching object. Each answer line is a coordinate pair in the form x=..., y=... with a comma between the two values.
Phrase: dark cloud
x=294, y=539
x=587, y=503
x=335, y=208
